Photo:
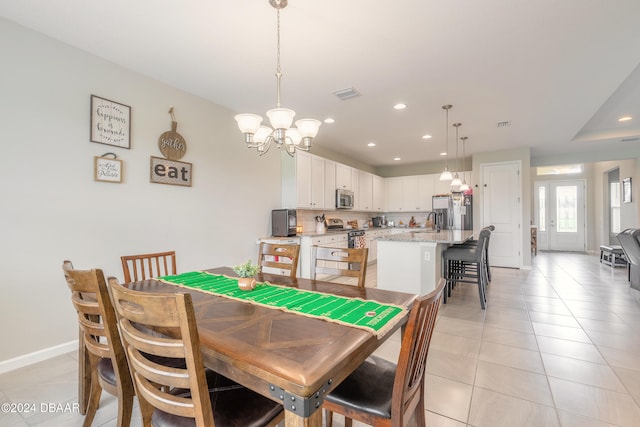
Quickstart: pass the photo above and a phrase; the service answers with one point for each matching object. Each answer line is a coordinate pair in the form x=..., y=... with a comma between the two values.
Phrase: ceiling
x=560, y=73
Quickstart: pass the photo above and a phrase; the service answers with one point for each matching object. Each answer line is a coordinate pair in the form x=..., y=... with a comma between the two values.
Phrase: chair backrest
x=483, y=243
x=410, y=371
x=348, y=262
x=630, y=241
x=142, y=313
x=97, y=319
x=279, y=256
x=148, y=266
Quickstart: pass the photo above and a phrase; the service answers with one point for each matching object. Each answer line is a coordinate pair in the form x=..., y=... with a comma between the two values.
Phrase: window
x=542, y=208
x=567, y=208
x=614, y=203
x=559, y=170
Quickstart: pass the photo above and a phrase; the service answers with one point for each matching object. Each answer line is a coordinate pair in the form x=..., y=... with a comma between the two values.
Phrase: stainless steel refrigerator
x=462, y=211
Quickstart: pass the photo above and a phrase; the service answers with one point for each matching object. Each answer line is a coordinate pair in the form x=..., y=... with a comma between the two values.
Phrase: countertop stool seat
x=612, y=255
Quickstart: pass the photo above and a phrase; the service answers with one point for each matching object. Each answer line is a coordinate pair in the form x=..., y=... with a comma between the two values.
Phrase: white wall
x=53, y=210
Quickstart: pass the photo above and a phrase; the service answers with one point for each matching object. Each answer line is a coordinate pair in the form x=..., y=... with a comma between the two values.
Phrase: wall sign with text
x=165, y=171
x=107, y=170
x=110, y=122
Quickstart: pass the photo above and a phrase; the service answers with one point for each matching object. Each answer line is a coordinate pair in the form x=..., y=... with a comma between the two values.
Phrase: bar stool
x=468, y=265
x=474, y=243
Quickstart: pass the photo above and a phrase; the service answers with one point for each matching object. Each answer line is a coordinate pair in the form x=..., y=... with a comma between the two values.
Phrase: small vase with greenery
x=247, y=271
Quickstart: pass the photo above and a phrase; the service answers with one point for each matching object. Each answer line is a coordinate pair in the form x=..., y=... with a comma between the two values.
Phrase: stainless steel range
x=356, y=236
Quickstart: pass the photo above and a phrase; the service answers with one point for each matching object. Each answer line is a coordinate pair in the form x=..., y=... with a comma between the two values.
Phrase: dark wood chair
x=279, y=256
x=173, y=396
x=147, y=266
x=347, y=262
x=381, y=393
x=102, y=360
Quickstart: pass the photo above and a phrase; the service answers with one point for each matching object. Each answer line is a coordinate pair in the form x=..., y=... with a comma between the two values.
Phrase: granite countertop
x=428, y=236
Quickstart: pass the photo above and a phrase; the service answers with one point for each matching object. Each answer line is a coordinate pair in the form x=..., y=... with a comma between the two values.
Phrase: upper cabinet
x=344, y=177
x=378, y=193
x=303, y=182
x=310, y=182
x=364, y=194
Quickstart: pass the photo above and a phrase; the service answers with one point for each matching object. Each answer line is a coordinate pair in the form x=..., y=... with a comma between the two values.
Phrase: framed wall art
x=172, y=172
x=107, y=169
x=110, y=122
x=626, y=190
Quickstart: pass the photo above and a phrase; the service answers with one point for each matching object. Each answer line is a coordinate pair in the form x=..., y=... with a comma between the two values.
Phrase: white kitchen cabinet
x=425, y=192
x=303, y=182
x=329, y=184
x=344, y=178
x=364, y=196
x=378, y=193
x=394, y=194
x=410, y=193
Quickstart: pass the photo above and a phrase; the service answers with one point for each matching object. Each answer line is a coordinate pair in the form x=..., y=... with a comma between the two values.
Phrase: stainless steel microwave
x=344, y=199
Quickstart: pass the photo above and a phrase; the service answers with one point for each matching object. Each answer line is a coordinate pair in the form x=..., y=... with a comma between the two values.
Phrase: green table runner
x=365, y=314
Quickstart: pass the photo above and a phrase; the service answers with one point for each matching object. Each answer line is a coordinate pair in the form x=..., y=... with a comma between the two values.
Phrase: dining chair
x=147, y=266
x=383, y=393
x=347, y=262
x=101, y=348
x=279, y=256
x=174, y=396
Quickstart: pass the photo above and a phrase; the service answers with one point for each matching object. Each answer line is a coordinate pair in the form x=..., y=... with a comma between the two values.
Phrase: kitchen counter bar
x=412, y=261
x=428, y=236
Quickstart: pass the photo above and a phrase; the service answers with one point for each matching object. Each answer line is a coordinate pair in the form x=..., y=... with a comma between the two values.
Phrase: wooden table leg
x=293, y=420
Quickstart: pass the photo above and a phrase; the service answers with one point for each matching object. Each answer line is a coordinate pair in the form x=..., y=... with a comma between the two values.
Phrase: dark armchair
x=630, y=241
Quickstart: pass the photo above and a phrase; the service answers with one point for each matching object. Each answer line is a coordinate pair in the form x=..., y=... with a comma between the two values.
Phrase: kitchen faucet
x=435, y=224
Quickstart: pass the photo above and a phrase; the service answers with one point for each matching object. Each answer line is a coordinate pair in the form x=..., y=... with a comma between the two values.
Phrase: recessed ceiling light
x=329, y=120
x=371, y=144
x=444, y=153
x=400, y=106
x=426, y=136
x=625, y=118
x=396, y=158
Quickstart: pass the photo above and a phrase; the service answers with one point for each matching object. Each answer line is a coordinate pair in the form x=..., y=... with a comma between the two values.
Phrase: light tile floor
x=558, y=345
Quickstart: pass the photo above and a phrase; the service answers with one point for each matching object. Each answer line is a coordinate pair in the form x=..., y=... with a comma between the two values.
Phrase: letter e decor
x=165, y=171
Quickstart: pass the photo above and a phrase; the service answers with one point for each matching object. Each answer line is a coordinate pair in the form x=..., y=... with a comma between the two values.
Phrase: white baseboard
x=37, y=356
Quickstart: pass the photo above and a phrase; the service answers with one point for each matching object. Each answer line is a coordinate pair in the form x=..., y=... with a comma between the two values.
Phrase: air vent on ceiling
x=504, y=124
x=347, y=93
x=630, y=139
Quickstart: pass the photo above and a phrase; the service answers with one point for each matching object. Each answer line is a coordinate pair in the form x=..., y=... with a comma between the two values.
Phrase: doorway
x=560, y=215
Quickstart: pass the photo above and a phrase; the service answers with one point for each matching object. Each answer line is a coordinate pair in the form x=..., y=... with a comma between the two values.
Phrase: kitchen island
x=412, y=261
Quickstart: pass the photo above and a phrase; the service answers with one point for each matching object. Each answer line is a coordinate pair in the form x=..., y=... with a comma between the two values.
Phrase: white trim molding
x=37, y=356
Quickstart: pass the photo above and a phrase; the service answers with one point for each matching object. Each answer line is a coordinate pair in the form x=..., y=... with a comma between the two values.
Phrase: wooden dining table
x=287, y=357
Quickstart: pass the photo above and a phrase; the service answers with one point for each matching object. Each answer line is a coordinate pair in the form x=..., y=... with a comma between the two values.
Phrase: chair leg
x=125, y=406
x=348, y=422
x=94, y=396
x=488, y=267
x=479, y=272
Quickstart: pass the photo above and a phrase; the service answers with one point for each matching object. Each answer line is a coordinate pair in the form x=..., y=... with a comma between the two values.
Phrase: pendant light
x=464, y=187
x=282, y=134
x=456, y=183
x=446, y=175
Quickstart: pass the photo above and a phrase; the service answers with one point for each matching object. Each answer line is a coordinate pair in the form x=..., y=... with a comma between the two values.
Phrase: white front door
x=501, y=200
x=560, y=215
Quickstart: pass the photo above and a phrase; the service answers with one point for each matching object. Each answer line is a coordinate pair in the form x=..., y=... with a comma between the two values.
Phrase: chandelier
x=446, y=175
x=282, y=134
x=456, y=178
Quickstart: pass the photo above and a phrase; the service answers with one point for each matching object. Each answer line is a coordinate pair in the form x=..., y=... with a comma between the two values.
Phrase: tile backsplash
x=306, y=218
